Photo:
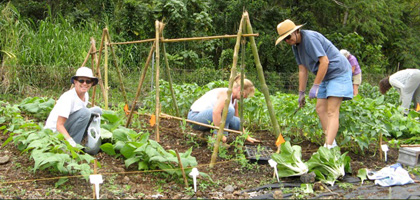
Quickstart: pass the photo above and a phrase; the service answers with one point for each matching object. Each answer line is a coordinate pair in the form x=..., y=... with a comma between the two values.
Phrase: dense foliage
x=47, y=40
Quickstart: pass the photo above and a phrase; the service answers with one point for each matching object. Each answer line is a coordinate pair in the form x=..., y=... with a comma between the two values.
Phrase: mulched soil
x=230, y=178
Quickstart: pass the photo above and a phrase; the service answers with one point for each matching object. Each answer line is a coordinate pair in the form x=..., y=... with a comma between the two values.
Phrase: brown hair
x=384, y=85
x=248, y=85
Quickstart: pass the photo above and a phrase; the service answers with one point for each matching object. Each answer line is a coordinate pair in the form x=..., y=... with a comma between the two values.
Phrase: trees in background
x=382, y=34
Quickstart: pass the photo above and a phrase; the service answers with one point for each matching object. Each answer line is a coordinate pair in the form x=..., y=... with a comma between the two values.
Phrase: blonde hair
x=248, y=85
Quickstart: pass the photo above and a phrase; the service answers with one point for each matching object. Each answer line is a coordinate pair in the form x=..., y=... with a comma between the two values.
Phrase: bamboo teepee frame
x=245, y=31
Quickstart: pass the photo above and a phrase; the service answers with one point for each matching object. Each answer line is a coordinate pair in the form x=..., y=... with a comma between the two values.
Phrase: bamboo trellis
x=245, y=31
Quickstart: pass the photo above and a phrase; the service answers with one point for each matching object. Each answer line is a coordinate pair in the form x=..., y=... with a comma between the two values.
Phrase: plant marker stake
x=273, y=164
x=194, y=173
x=96, y=179
x=385, y=149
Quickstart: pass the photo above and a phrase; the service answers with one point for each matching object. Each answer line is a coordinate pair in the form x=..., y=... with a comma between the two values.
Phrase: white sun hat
x=85, y=72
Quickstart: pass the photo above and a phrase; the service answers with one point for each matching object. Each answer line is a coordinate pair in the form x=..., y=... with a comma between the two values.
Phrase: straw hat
x=85, y=72
x=285, y=28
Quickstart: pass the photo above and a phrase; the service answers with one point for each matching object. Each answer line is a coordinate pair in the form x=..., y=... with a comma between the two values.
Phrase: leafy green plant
x=362, y=174
x=289, y=160
x=37, y=106
x=329, y=164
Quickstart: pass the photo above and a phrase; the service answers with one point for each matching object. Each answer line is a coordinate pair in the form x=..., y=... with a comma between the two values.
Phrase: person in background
x=407, y=84
x=355, y=69
x=208, y=108
x=315, y=53
x=70, y=115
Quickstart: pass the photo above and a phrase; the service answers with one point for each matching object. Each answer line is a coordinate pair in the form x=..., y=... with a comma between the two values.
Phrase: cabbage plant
x=289, y=160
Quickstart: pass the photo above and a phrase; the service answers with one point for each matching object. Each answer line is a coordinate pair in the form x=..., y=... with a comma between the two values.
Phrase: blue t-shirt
x=314, y=45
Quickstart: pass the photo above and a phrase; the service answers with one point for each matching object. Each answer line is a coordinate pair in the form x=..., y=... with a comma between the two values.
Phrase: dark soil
x=230, y=179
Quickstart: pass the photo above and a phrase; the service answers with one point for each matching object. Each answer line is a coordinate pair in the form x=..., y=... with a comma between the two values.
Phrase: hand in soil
x=252, y=140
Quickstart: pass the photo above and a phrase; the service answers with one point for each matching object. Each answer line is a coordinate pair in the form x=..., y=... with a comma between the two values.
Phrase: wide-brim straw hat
x=285, y=28
x=85, y=72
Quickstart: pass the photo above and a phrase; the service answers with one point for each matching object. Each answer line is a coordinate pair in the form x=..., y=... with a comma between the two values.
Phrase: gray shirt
x=314, y=45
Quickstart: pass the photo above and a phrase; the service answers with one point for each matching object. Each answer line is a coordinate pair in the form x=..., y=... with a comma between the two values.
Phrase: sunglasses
x=81, y=81
x=288, y=37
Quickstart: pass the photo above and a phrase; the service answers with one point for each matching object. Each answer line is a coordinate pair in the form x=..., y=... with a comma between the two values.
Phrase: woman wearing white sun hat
x=313, y=52
x=70, y=115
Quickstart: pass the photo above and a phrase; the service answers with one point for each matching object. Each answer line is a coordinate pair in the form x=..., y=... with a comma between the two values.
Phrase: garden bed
x=230, y=179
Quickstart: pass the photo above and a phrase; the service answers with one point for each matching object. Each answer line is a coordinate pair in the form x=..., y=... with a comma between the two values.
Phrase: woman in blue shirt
x=315, y=53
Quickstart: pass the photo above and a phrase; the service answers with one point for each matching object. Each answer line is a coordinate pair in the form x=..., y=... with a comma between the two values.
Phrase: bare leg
x=334, y=104
x=322, y=110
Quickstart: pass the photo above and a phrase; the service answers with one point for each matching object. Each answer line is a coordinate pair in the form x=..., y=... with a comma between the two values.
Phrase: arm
x=322, y=69
x=218, y=108
x=303, y=78
x=236, y=109
x=61, y=128
x=353, y=68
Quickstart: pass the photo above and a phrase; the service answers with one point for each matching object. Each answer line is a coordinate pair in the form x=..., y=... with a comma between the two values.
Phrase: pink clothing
x=353, y=62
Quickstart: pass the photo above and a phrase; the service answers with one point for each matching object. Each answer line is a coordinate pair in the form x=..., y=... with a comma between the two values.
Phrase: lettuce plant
x=289, y=160
x=329, y=164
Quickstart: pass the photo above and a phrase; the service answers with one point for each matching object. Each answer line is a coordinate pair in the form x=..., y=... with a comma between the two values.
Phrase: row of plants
x=362, y=120
x=23, y=123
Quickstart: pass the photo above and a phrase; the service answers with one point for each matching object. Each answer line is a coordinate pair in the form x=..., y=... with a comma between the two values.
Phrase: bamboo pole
x=88, y=55
x=106, y=75
x=264, y=88
x=186, y=39
x=157, y=26
x=116, y=65
x=168, y=72
x=141, y=80
x=380, y=146
x=229, y=92
x=182, y=168
x=163, y=115
x=98, y=74
x=241, y=108
x=97, y=71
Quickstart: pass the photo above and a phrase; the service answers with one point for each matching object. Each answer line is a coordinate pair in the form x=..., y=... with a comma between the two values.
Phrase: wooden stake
x=264, y=87
x=141, y=80
x=116, y=65
x=168, y=73
x=106, y=75
x=157, y=26
x=380, y=146
x=182, y=168
x=98, y=69
x=229, y=92
x=187, y=39
x=94, y=172
x=163, y=115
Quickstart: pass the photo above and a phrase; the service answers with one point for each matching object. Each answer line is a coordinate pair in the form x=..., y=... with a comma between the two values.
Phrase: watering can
x=94, y=135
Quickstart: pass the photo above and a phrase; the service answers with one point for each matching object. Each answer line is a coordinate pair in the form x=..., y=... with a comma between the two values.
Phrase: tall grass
x=47, y=52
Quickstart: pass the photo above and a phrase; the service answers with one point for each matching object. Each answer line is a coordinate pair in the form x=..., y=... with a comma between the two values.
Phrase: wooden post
x=142, y=77
x=229, y=92
x=168, y=72
x=182, y=168
x=98, y=69
x=94, y=172
x=380, y=146
x=116, y=65
x=106, y=75
x=157, y=108
x=264, y=88
x=241, y=108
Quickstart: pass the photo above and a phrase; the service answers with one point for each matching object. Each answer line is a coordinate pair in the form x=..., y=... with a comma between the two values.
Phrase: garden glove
x=301, y=99
x=71, y=141
x=313, y=93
